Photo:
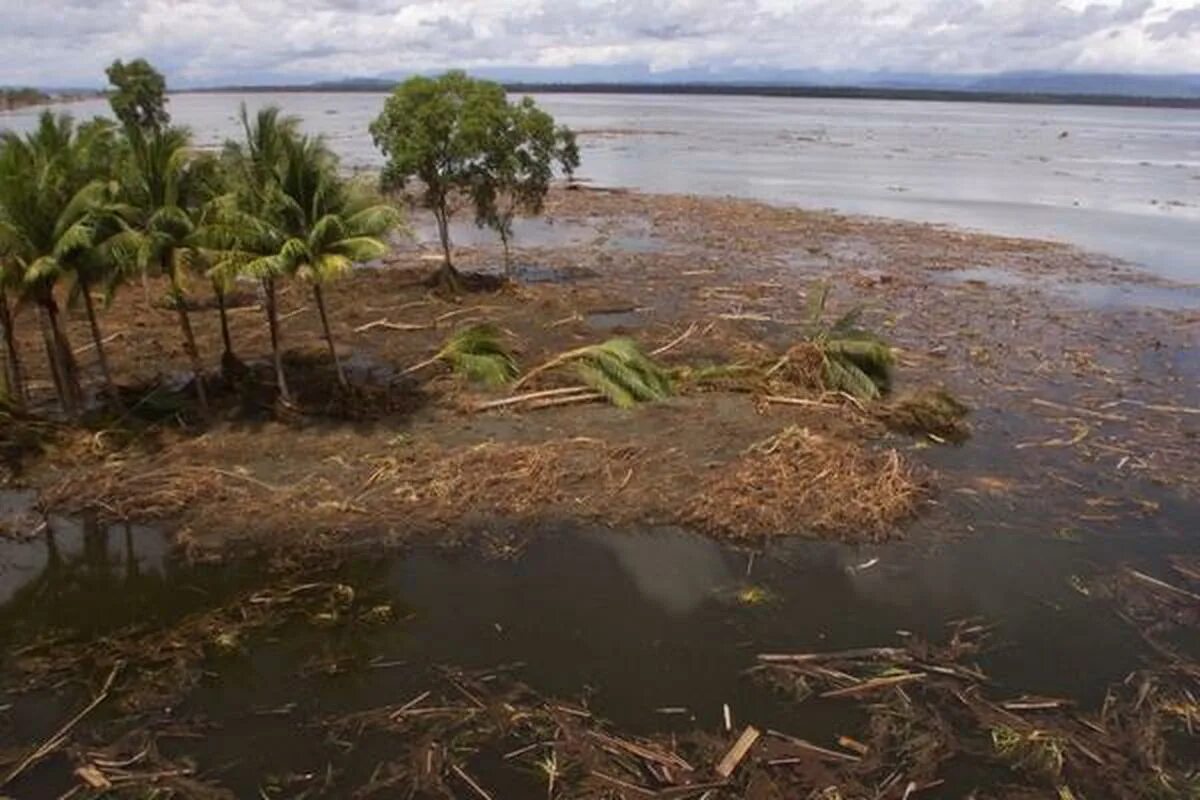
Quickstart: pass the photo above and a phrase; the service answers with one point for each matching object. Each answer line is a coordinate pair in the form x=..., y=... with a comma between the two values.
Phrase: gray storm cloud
x=220, y=41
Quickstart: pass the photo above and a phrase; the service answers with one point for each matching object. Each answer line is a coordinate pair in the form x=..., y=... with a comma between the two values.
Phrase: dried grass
x=800, y=480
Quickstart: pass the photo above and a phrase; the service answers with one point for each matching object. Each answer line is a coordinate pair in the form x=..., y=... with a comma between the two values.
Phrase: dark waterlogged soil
x=551, y=588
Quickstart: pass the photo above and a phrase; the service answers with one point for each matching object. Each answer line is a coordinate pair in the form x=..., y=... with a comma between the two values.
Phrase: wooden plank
x=740, y=748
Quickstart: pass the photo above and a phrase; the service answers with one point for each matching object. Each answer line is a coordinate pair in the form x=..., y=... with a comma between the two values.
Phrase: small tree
x=438, y=131
x=518, y=167
x=139, y=96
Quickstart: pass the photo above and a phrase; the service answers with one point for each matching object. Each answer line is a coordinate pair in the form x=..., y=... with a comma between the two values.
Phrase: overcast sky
x=198, y=42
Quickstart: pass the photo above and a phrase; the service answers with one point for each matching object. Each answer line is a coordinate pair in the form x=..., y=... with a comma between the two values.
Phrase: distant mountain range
x=1115, y=89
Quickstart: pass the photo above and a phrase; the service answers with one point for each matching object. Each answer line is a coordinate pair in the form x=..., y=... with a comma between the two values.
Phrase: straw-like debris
x=801, y=480
x=929, y=705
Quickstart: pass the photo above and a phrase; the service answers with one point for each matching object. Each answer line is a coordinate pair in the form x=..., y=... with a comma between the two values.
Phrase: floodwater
x=645, y=619
x=633, y=620
x=1124, y=182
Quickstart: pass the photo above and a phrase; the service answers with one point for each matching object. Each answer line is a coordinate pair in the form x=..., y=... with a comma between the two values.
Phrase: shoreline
x=612, y=263
x=756, y=90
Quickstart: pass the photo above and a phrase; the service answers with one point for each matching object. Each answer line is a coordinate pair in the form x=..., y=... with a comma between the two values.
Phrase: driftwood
x=740, y=748
x=383, y=322
x=876, y=653
x=875, y=683
x=60, y=736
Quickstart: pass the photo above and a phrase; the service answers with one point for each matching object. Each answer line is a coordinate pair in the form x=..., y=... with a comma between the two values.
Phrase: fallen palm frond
x=617, y=369
x=476, y=352
x=838, y=356
x=798, y=481
x=931, y=412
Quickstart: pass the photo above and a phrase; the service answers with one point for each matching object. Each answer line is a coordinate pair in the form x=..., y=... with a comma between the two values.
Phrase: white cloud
x=220, y=41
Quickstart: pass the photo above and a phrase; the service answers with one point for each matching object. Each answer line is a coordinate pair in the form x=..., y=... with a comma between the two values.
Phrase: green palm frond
x=618, y=369
x=853, y=360
x=843, y=375
x=42, y=270
x=815, y=302
x=621, y=372
x=76, y=238
x=375, y=220
x=478, y=352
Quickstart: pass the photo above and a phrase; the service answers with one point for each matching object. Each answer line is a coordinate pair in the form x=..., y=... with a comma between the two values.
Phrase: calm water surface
x=1120, y=181
x=643, y=619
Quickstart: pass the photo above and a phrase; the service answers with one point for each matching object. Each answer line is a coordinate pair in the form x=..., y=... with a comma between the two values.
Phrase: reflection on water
x=635, y=620
x=674, y=570
x=1089, y=294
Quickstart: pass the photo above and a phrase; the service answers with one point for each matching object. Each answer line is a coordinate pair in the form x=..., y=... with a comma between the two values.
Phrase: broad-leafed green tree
x=138, y=96
x=437, y=131
x=514, y=176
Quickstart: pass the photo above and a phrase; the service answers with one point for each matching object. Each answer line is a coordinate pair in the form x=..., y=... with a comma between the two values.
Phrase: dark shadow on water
x=628, y=621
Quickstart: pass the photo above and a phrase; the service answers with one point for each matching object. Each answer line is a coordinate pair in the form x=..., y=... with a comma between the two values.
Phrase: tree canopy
x=461, y=138
x=139, y=96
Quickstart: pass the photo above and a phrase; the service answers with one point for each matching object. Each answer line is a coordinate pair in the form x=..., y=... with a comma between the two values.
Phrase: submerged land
x=1083, y=424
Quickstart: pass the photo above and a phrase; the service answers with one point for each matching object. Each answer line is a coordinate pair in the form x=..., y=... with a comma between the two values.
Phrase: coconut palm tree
x=246, y=225
x=52, y=194
x=167, y=185
x=331, y=225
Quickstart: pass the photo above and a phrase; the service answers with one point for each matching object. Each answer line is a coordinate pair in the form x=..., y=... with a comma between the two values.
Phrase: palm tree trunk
x=13, y=372
x=52, y=359
x=189, y=343
x=64, y=360
x=276, y=354
x=98, y=340
x=226, y=339
x=319, y=296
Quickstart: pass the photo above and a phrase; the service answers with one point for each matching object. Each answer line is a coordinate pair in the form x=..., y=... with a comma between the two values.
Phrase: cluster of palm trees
x=87, y=208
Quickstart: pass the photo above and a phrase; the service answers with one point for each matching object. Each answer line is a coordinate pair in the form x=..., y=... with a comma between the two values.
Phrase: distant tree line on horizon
x=86, y=207
x=11, y=99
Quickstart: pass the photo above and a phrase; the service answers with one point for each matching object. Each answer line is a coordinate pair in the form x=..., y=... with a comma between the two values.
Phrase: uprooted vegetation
x=795, y=431
x=911, y=717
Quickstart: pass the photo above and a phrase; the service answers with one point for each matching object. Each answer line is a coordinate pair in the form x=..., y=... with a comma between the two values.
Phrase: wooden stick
x=641, y=751
x=1141, y=576
x=60, y=736
x=469, y=782
x=1086, y=412
x=816, y=750
x=522, y=398
x=874, y=653
x=676, y=341
x=105, y=340
x=799, y=401
x=590, y=397
x=382, y=322
x=873, y=684
x=740, y=748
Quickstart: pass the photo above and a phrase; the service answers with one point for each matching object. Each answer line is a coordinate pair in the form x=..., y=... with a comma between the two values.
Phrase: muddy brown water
x=633, y=621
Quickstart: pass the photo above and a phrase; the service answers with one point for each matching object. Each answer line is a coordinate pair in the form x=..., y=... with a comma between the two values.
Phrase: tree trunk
x=319, y=296
x=98, y=340
x=64, y=360
x=52, y=359
x=13, y=371
x=447, y=279
x=226, y=340
x=276, y=354
x=507, y=254
x=189, y=343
